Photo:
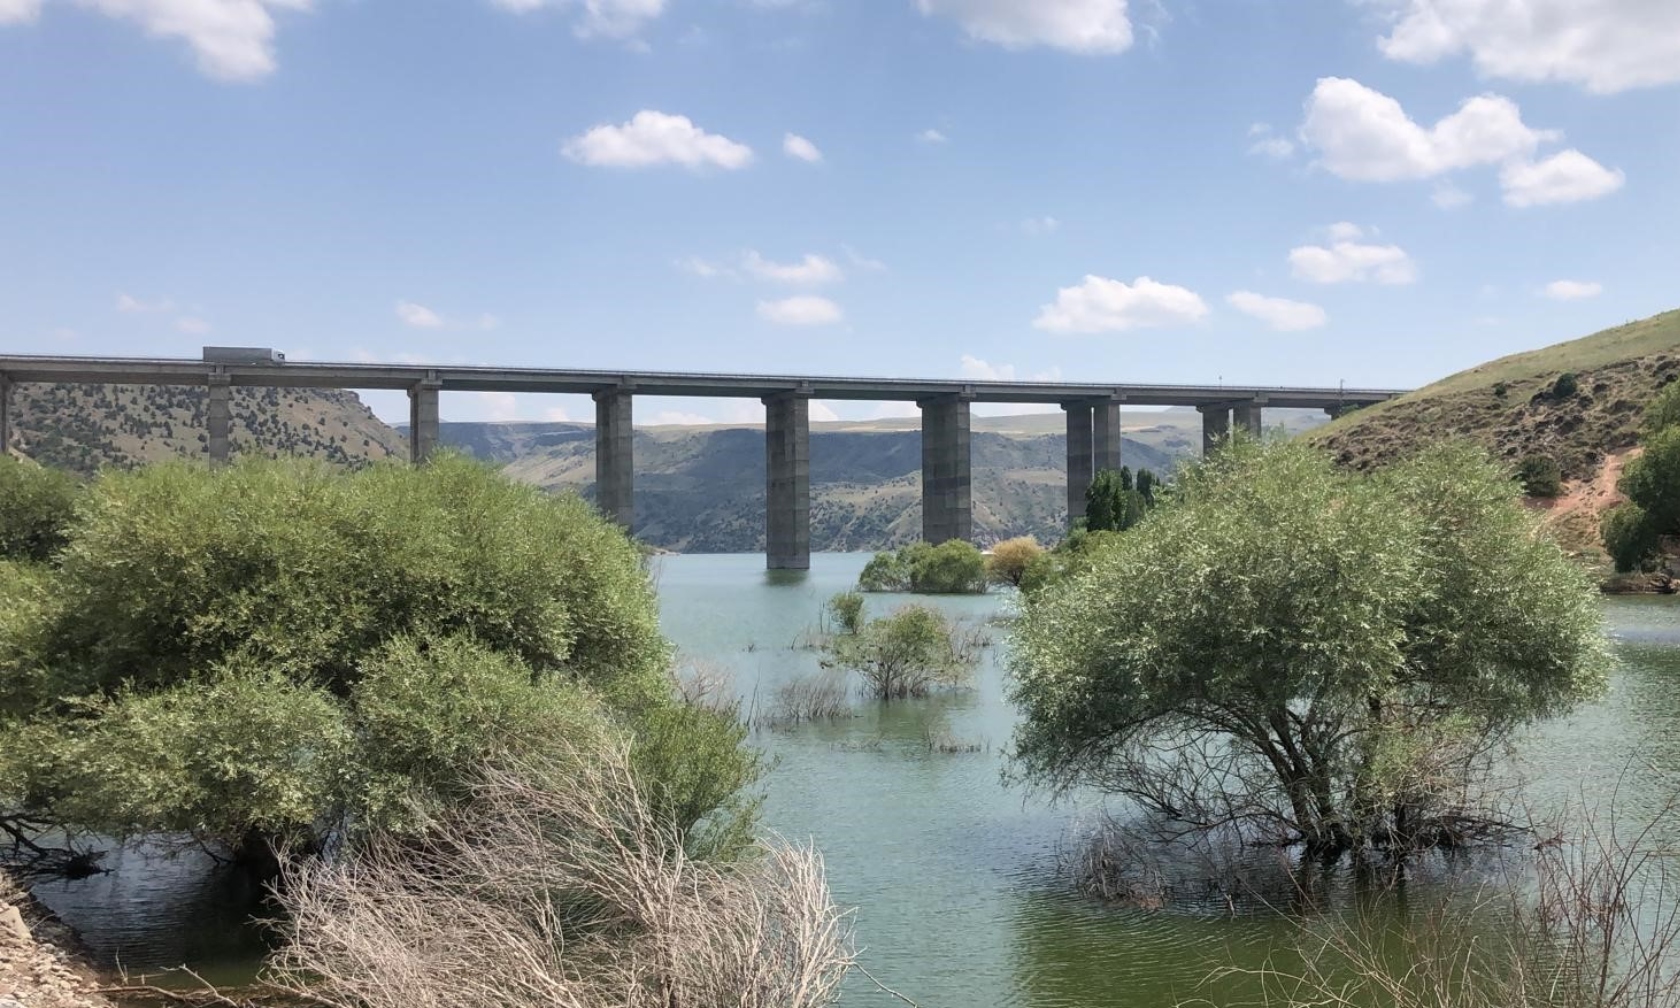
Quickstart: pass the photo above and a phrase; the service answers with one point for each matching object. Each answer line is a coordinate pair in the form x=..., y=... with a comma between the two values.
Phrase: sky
x=1254, y=192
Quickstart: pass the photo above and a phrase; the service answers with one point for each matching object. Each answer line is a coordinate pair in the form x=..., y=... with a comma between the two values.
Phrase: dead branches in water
x=558, y=888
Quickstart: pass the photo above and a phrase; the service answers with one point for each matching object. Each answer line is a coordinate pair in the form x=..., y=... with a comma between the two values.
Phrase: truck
x=243, y=355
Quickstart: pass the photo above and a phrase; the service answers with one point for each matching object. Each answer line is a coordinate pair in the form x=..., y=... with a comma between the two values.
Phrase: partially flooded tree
x=908, y=653
x=1307, y=655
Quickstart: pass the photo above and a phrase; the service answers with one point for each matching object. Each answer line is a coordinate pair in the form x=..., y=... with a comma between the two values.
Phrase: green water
x=959, y=903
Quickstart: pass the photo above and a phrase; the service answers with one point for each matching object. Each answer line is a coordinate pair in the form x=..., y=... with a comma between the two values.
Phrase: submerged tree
x=907, y=653
x=1306, y=654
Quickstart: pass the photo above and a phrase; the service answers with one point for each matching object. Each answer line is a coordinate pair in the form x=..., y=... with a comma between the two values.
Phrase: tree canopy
x=282, y=649
x=1304, y=652
x=955, y=567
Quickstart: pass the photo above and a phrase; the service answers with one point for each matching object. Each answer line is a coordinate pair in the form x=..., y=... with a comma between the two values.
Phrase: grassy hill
x=1515, y=407
x=1512, y=407
x=83, y=427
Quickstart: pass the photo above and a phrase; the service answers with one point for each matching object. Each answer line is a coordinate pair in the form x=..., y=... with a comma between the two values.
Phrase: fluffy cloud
x=1364, y=135
x=603, y=18
x=655, y=138
x=1566, y=177
x=1573, y=290
x=192, y=326
x=1269, y=144
x=932, y=136
x=796, y=146
x=1103, y=305
x=1602, y=45
x=19, y=11
x=418, y=316
x=975, y=369
x=1281, y=314
x=1092, y=27
x=813, y=269
x=233, y=40
x=130, y=305
x=1348, y=259
x=800, y=311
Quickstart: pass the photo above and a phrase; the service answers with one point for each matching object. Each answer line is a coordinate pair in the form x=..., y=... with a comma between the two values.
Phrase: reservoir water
x=954, y=875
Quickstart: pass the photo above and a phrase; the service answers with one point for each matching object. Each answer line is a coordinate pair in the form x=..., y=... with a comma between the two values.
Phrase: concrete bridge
x=1093, y=418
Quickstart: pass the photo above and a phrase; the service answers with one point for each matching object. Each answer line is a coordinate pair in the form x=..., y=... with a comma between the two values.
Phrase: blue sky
x=1256, y=191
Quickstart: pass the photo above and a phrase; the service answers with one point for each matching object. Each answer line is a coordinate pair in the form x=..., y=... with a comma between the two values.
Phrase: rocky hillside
x=82, y=427
x=1516, y=406
x=702, y=489
x=1579, y=403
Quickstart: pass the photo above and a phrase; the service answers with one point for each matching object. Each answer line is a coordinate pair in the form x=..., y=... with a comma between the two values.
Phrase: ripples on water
x=954, y=876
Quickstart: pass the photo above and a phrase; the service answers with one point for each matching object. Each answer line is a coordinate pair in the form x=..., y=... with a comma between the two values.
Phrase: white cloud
x=1450, y=197
x=976, y=369
x=1037, y=226
x=1364, y=135
x=1565, y=177
x=19, y=11
x=677, y=418
x=813, y=269
x=1269, y=144
x=1103, y=305
x=822, y=412
x=418, y=316
x=616, y=19
x=932, y=136
x=134, y=306
x=800, y=311
x=1346, y=259
x=796, y=146
x=233, y=40
x=557, y=414
x=862, y=261
x=654, y=138
x=192, y=326
x=1091, y=27
x=704, y=268
x=1281, y=314
x=1573, y=290
x=1602, y=45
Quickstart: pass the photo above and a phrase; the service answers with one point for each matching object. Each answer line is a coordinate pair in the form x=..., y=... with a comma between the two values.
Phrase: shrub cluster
x=951, y=568
x=1633, y=531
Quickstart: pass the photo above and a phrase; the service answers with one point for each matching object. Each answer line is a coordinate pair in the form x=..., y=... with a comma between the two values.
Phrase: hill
x=1519, y=406
x=83, y=427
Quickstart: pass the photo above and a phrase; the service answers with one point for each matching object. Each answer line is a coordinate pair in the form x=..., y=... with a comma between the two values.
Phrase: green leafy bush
x=1011, y=559
x=371, y=637
x=1630, y=537
x=1652, y=480
x=847, y=610
x=1540, y=476
x=1566, y=386
x=906, y=654
x=37, y=506
x=951, y=568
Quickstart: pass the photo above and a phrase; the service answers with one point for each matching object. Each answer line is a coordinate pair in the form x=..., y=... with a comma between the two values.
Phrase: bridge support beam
x=218, y=419
x=947, y=501
x=5, y=414
x=1216, y=427
x=423, y=422
x=615, y=465
x=1105, y=436
x=787, y=473
x=1246, y=417
x=1079, y=458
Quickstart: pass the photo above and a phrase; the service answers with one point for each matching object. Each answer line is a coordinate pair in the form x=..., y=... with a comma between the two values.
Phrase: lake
x=954, y=876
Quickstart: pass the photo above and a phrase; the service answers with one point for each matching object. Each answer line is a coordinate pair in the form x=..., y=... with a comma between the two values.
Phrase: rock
x=11, y=923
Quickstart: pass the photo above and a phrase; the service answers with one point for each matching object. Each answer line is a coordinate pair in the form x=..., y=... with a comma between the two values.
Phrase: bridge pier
x=423, y=421
x=615, y=465
x=787, y=489
x=1245, y=417
x=218, y=419
x=947, y=502
x=1079, y=457
x=5, y=414
x=1216, y=427
x=1105, y=437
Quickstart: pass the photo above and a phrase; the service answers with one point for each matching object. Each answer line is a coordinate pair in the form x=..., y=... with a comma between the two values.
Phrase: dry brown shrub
x=556, y=887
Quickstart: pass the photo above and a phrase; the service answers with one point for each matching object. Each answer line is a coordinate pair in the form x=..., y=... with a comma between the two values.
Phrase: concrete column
x=218, y=419
x=1079, y=457
x=947, y=501
x=615, y=457
x=787, y=488
x=5, y=414
x=1339, y=410
x=1216, y=427
x=1105, y=437
x=423, y=421
x=1246, y=419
